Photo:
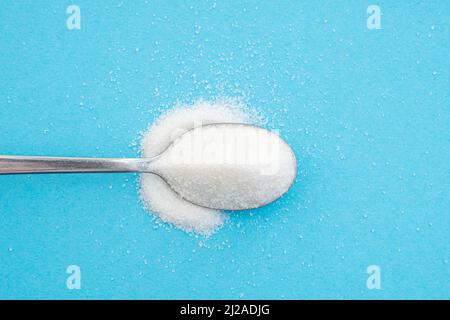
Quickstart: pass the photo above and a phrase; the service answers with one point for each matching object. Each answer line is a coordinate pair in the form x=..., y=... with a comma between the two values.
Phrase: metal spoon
x=39, y=165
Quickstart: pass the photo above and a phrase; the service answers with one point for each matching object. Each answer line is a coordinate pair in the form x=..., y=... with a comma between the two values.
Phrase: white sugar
x=222, y=166
x=228, y=166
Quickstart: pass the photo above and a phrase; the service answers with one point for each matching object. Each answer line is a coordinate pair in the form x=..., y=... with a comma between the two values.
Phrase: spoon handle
x=29, y=165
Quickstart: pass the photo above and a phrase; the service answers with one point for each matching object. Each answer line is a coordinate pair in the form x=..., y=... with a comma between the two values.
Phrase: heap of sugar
x=228, y=166
x=157, y=196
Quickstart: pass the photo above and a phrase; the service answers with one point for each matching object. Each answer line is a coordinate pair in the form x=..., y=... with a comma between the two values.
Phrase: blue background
x=366, y=111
